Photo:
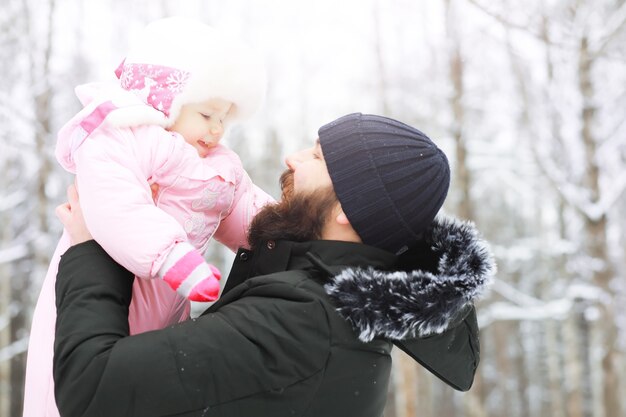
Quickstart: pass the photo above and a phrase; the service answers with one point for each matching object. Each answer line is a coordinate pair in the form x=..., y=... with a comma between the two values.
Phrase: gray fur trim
x=404, y=304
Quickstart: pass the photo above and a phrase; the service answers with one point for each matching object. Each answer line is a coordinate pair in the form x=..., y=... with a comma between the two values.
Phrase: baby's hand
x=72, y=218
x=155, y=191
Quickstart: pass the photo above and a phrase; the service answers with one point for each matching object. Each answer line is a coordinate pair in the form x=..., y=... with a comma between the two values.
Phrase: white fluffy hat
x=176, y=61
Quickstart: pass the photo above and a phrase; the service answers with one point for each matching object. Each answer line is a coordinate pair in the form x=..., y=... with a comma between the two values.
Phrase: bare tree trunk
x=5, y=302
x=521, y=369
x=473, y=401
x=596, y=231
x=409, y=388
x=447, y=404
x=462, y=178
x=390, y=407
x=556, y=406
x=425, y=393
x=18, y=330
x=573, y=368
x=584, y=345
x=501, y=338
x=382, y=88
x=40, y=77
x=405, y=383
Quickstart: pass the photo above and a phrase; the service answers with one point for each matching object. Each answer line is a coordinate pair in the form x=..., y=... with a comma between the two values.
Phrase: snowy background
x=528, y=99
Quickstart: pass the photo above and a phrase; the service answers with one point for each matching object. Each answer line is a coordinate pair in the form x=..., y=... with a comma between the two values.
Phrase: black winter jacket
x=303, y=329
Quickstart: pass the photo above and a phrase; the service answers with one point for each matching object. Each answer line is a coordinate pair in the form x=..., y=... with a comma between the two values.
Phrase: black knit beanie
x=390, y=178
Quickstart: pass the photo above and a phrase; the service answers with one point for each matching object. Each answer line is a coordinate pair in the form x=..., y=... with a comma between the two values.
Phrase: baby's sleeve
x=112, y=171
x=248, y=200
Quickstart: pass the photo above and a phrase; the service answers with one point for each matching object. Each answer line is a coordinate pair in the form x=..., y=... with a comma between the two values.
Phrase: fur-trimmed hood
x=431, y=291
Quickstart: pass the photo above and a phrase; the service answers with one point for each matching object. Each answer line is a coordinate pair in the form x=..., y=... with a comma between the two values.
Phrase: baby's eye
x=206, y=116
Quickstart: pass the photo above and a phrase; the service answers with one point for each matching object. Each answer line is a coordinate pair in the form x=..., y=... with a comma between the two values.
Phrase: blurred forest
x=528, y=99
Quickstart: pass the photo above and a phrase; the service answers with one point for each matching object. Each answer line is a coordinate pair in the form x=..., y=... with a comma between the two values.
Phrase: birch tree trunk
x=596, y=231
x=555, y=376
x=573, y=369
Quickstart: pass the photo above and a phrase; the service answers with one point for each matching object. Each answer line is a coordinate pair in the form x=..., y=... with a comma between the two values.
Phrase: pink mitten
x=186, y=272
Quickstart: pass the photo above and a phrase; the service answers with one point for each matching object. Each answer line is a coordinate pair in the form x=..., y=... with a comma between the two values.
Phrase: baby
x=155, y=183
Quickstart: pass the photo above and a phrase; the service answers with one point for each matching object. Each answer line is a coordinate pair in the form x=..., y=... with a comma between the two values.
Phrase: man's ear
x=342, y=218
x=339, y=228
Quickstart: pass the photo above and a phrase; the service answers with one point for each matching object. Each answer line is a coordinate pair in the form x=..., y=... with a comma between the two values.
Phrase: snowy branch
x=13, y=253
x=512, y=25
x=615, y=24
x=574, y=195
x=527, y=308
x=568, y=191
x=615, y=140
x=13, y=200
x=22, y=116
x=9, y=103
x=14, y=349
x=513, y=294
x=18, y=346
x=501, y=19
x=9, y=314
x=609, y=197
x=502, y=311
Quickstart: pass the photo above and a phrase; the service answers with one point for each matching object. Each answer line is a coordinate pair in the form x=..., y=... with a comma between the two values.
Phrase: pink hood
x=101, y=101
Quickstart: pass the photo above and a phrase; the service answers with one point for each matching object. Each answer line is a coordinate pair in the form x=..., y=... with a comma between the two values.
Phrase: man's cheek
x=297, y=181
x=303, y=182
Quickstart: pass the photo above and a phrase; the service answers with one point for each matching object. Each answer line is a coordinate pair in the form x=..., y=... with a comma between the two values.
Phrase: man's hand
x=71, y=216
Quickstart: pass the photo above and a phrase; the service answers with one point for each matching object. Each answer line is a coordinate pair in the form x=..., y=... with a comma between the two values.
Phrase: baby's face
x=202, y=124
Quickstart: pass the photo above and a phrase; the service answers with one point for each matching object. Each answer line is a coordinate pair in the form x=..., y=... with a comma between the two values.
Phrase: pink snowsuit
x=198, y=199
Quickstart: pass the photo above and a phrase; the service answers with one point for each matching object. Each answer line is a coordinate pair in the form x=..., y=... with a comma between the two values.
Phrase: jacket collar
x=327, y=256
x=432, y=285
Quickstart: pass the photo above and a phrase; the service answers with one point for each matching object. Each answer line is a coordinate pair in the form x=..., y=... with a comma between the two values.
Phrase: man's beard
x=298, y=217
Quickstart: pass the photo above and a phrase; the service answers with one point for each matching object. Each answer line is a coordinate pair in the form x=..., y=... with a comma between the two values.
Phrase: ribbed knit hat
x=177, y=60
x=390, y=178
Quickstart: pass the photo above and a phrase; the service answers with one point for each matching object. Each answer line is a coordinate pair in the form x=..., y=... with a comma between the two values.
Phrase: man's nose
x=293, y=160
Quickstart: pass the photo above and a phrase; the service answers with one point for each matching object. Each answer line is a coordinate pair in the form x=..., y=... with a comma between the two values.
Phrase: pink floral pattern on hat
x=156, y=85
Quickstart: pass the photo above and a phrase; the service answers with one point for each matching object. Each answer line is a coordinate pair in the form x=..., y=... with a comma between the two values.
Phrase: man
x=350, y=262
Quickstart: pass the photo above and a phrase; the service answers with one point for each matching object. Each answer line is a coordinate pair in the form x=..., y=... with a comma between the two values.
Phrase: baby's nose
x=216, y=130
